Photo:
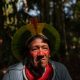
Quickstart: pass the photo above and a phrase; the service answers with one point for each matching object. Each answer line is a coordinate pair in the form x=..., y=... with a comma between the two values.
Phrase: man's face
x=39, y=52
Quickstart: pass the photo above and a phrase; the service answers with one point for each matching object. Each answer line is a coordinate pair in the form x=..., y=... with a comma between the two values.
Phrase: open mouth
x=40, y=58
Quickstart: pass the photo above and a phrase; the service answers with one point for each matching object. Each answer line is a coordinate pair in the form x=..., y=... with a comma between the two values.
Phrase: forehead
x=37, y=40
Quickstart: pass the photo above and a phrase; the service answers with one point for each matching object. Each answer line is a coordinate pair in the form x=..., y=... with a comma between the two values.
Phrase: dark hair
x=44, y=39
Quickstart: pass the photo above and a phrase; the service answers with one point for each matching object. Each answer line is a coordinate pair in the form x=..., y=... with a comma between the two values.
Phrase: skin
x=39, y=52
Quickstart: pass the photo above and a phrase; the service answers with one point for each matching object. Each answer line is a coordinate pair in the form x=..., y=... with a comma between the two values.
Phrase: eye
x=34, y=49
x=45, y=47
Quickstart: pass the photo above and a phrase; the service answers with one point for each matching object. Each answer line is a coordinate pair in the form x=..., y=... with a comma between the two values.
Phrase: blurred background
x=64, y=15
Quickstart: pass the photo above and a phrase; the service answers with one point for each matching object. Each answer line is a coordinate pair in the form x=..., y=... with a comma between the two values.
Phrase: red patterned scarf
x=47, y=75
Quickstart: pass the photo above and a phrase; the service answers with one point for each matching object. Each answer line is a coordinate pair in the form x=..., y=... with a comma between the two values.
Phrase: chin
x=40, y=65
x=44, y=65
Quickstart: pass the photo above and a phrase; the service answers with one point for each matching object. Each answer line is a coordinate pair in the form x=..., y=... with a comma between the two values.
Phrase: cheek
x=33, y=54
x=46, y=52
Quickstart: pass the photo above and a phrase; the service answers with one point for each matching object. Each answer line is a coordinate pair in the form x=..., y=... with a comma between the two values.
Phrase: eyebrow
x=40, y=46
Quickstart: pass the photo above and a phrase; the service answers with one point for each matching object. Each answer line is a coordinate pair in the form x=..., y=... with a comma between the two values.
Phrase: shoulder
x=59, y=68
x=18, y=66
x=60, y=71
x=58, y=65
x=14, y=72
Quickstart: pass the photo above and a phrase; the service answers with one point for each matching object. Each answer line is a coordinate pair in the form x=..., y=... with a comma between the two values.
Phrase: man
x=37, y=64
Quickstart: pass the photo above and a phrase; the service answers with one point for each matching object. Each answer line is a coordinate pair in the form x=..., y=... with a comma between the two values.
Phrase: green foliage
x=78, y=6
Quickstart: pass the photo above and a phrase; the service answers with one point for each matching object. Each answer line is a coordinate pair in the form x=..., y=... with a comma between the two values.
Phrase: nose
x=40, y=52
